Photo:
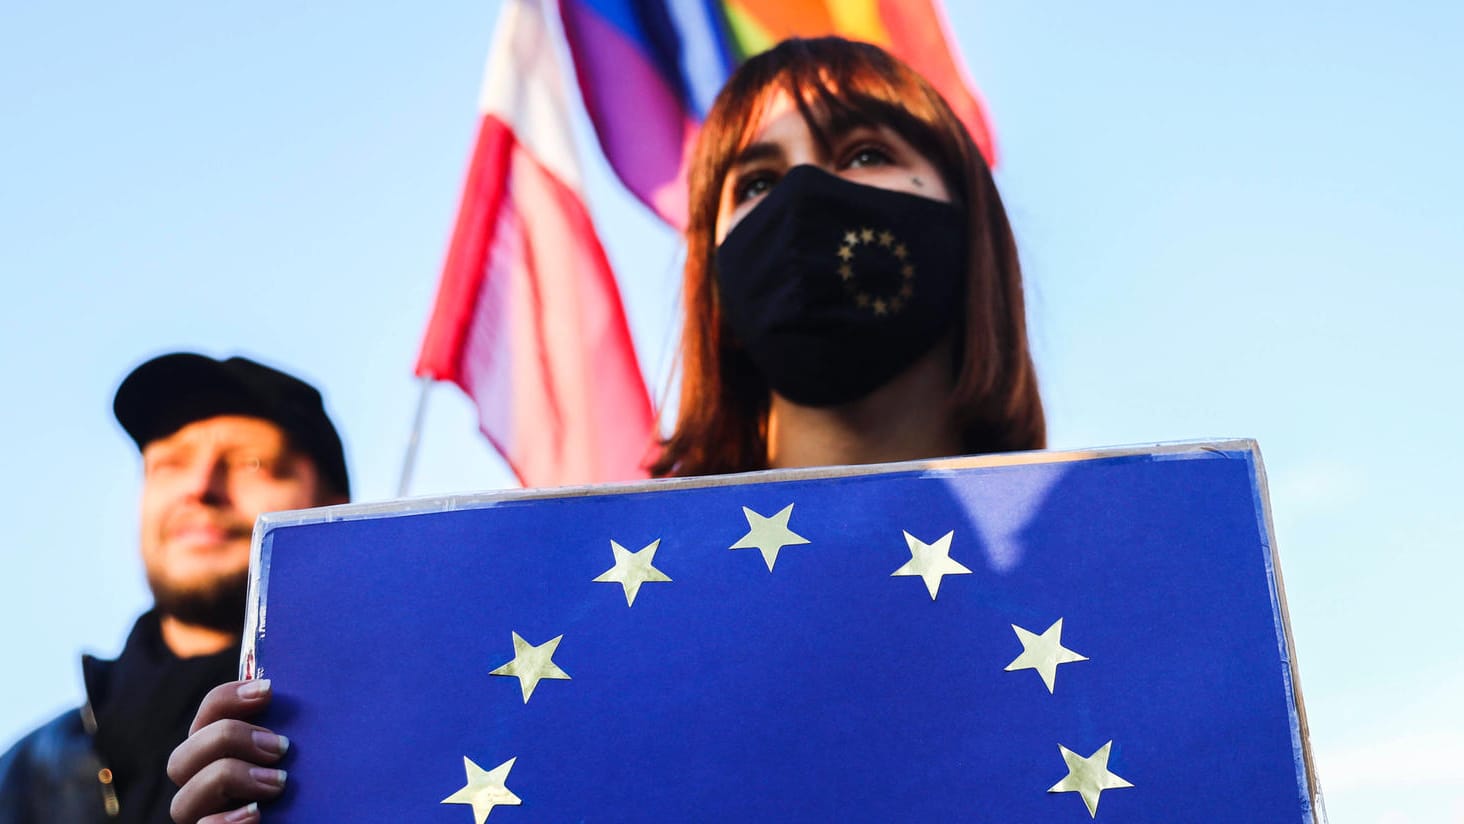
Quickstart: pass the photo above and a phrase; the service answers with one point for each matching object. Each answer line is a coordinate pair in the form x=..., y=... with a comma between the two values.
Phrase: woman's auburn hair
x=722, y=418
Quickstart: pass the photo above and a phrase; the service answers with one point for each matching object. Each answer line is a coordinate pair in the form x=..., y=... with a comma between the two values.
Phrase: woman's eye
x=751, y=186
x=867, y=156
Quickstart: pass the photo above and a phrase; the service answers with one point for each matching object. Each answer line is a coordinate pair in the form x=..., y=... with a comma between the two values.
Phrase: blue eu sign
x=1041, y=637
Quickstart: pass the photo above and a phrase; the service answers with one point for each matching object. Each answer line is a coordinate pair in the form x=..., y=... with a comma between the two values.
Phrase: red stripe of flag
x=528, y=319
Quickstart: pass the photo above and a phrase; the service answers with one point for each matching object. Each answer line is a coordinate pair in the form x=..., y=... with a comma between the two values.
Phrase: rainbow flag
x=649, y=70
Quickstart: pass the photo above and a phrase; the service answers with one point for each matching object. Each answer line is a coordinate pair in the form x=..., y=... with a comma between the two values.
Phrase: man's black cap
x=169, y=392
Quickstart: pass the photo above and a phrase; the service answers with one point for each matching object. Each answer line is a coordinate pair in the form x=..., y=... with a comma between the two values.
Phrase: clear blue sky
x=1237, y=220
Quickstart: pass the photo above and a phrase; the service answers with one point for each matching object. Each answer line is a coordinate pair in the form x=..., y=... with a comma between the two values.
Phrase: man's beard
x=218, y=604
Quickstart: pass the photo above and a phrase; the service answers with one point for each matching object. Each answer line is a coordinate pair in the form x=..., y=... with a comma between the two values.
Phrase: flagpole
x=409, y=461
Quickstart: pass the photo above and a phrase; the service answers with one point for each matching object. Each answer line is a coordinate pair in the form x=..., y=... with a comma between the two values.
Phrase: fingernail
x=267, y=777
x=243, y=814
x=255, y=689
x=270, y=743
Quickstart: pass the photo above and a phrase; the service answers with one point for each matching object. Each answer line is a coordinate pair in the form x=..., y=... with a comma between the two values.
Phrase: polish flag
x=528, y=319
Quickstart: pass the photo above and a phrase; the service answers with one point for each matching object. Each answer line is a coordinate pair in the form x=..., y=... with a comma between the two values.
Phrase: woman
x=852, y=296
x=955, y=378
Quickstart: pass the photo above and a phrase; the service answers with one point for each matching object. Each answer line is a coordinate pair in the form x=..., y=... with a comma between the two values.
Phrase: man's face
x=202, y=488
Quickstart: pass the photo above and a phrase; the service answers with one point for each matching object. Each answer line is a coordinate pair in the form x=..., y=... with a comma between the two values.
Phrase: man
x=221, y=442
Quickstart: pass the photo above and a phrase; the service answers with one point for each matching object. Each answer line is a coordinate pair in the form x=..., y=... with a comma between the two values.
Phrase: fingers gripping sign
x=227, y=765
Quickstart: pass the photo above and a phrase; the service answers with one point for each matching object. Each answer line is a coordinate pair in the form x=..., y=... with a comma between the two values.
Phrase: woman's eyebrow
x=839, y=125
x=757, y=152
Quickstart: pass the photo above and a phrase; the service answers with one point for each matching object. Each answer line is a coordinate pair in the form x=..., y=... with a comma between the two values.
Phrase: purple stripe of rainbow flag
x=649, y=69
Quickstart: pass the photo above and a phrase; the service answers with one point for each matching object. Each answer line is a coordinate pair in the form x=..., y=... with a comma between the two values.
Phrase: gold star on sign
x=907, y=271
x=485, y=789
x=862, y=300
x=886, y=238
x=633, y=569
x=846, y=271
x=532, y=664
x=1088, y=777
x=931, y=561
x=866, y=235
x=896, y=304
x=901, y=251
x=880, y=307
x=1043, y=653
x=769, y=535
x=851, y=237
x=846, y=253
x=907, y=291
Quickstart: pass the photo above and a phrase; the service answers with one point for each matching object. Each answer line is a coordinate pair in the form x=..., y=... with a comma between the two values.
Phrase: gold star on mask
x=485, y=789
x=1043, y=653
x=851, y=238
x=532, y=664
x=880, y=307
x=886, y=238
x=769, y=534
x=1088, y=777
x=866, y=235
x=846, y=253
x=846, y=271
x=907, y=271
x=901, y=251
x=633, y=569
x=931, y=561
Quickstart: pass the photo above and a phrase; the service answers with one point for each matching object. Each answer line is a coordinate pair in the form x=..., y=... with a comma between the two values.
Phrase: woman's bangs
x=835, y=96
x=863, y=96
x=836, y=85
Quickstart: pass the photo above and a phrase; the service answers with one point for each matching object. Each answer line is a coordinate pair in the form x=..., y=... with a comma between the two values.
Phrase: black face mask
x=833, y=288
